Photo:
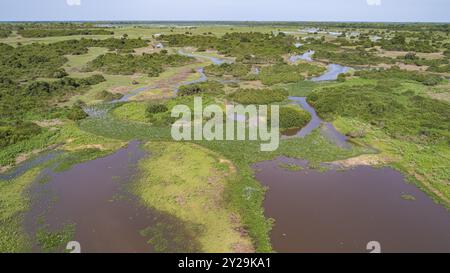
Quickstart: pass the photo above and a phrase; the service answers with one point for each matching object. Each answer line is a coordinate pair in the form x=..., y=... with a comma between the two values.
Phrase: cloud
x=374, y=2
x=73, y=2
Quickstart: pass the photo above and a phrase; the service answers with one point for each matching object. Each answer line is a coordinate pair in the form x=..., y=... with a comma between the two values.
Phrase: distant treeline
x=40, y=33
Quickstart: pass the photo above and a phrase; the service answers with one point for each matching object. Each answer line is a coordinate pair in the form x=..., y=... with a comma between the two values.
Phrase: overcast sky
x=240, y=10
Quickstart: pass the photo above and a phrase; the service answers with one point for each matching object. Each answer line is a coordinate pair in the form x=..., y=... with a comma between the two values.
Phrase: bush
x=402, y=115
x=283, y=73
x=258, y=96
x=108, y=96
x=396, y=72
x=13, y=133
x=235, y=70
x=151, y=64
x=200, y=88
x=293, y=117
x=76, y=113
x=156, y=108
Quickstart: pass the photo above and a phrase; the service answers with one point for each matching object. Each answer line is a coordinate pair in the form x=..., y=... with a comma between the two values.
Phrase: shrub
x=76, y=113
x=258, y=96
x=155, y=108
x=108, y=96
x=199, y=88
x=293, y=117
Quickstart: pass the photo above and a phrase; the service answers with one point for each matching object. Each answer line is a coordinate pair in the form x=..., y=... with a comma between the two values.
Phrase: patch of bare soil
x=149, y=50
x=25, y=156
x=363, y=160
x=440, y=96
x=410, y=67
x=49, y=123
x=120, y=89
x=424, y=181
x=243, y=246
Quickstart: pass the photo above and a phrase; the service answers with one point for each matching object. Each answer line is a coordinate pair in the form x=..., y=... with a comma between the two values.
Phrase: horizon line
x=223, y=21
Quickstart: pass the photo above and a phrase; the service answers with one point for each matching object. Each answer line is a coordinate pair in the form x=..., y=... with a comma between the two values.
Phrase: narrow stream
x=333, y=70
x=326, y=128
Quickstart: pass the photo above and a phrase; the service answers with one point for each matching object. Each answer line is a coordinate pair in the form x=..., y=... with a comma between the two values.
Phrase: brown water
x=93, y=196
x=341, y=211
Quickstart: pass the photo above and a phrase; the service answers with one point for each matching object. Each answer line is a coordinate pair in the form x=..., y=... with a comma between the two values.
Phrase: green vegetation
x=258, y=96
x=395, y=72
x=408, y=197
x=282, y=73
x=290, y=167
x=76, y=113
x=151, y=64
x=249, y=48
x=209, y=188
x=235, y=70
x=54, y=241
x=4, y=33
x=15, y=132
x=402, y=115
x=39, y=33
x=193, y=192
x=208, y=87
x=14, y=203
x=293, y=117
x=108, y=96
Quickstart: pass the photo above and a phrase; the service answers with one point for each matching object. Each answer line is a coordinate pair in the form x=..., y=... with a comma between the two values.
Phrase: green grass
x=55, y=240
x=243, y=193
x=132, y=111
x=425, y=165
x=192, y=191
x=77, y=62
x=290, y=167
x=14, y=203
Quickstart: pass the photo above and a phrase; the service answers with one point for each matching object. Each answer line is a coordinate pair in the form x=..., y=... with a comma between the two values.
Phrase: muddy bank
x=341, y=211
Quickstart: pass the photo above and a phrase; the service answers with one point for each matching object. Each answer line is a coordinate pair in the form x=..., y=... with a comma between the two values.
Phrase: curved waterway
x=107, y=218
x=214, y=60
x=341, y=211
x=29, y=164
x=326, y=128
x=333, y=70
x=203, y=77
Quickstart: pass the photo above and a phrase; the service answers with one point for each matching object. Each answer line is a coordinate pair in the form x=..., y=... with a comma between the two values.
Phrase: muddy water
x=341, y=211
x=93, y=196
x=29, y=164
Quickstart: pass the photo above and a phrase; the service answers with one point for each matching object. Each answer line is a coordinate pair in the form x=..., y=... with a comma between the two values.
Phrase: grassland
x=193, y=191
x=14, y=204
x=210, y=186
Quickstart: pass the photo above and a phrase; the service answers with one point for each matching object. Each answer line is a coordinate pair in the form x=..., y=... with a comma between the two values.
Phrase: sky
x=227, y=10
